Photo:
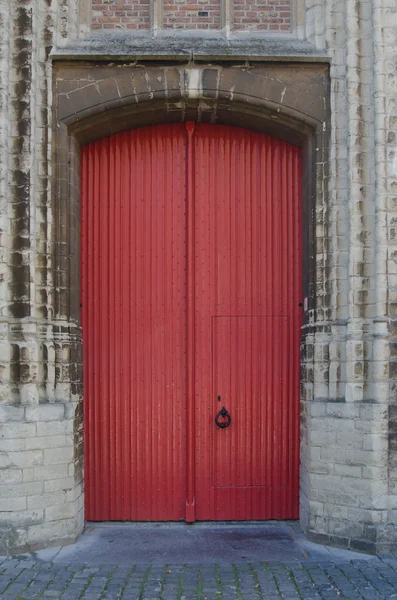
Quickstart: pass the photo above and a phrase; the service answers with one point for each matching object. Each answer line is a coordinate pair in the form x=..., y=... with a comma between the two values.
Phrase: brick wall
x=124, y=14
x=263, y=15
x=272, y=16
x=205, y=14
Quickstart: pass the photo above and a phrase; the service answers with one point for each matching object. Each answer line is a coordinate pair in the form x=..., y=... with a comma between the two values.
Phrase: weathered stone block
x=46, y=533
x=52, y=428
x=45, y=500
x=8, y=445
x=51, y=472
x=12, y=504
x=45, y=412
x=25, y=459
x=17, y=430
x=20, y=490
x=57, y=456
x=11, y=413
x=57, y=513
x=42, y=443
x=66, y=484
x=21, y=519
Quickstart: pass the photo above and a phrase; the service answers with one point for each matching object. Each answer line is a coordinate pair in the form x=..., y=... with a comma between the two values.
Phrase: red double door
x=191, y=284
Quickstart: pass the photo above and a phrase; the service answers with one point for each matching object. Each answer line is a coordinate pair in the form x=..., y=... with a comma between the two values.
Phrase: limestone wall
x=349, y=432
x=40, y=424
x=349, y=350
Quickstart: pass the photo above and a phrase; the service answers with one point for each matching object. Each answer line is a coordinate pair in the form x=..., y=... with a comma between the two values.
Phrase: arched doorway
x=191, y=292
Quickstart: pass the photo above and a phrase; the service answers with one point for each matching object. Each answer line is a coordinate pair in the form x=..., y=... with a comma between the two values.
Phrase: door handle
x=223, y=413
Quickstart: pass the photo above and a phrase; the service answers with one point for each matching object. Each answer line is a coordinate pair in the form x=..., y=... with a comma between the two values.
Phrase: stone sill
x=181, y=49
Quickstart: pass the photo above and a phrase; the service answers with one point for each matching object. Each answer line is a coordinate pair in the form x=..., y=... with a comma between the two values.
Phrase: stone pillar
x=40, y=422
x=385, y=322
x=348, y=450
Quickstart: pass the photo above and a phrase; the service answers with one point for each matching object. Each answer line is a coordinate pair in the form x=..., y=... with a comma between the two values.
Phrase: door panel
x=245, y=383
x=134, y=324
x=247, y=281
x=190, y=282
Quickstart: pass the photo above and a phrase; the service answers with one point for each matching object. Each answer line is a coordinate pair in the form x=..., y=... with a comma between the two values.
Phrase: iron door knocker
x=223, y=413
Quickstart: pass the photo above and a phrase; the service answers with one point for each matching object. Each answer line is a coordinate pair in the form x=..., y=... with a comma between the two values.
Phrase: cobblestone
x=374, y=579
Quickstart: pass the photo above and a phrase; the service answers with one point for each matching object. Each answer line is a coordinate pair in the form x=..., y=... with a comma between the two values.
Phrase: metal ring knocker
x=223, y=413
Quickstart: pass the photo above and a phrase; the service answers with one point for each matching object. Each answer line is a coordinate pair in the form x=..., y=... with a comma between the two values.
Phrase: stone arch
x=94, y=101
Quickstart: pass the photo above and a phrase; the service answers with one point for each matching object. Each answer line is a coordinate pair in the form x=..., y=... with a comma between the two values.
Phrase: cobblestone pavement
x=371, y=579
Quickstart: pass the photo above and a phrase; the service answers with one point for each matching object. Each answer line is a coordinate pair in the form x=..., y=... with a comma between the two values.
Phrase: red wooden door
x=133, y=253
x=191, y=270
x=247, y=321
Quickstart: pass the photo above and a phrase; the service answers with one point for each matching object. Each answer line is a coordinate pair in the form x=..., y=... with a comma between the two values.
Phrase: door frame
x=91, y=101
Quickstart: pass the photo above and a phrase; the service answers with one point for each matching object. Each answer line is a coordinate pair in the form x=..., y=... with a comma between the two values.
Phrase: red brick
x=262, y=15
x=187, y=16
x=121, y=14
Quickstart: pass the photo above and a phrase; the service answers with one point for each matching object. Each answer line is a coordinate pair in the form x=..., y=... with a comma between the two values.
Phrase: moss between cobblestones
x=257, y=584
x=180, y=593
x=130, y=572
x=108, y=580
x=145, y=578
x=218, y=580
x=162, y=581
x=200, y=585
x=237, y=582
x=274, y=579
x=86, y=586
x=291, y=576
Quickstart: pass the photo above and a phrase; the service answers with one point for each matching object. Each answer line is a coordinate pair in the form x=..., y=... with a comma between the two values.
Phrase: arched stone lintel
x=223, y=110
x=287, y=103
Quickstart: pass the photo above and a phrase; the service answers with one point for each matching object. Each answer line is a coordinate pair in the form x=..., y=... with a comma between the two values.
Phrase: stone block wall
x=349, y=389
x=41, y=499
x=41, y=457
x=349, y=339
